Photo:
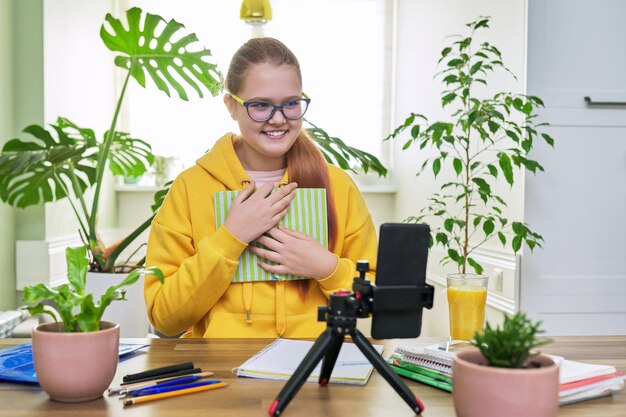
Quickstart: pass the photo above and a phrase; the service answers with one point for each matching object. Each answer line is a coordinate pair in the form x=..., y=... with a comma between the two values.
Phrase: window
x=344, y=52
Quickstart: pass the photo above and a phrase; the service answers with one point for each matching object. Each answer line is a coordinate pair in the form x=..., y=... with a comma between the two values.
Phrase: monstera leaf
x=337, y=152
x=154, y=51
x=129, y=157
x=45, y=169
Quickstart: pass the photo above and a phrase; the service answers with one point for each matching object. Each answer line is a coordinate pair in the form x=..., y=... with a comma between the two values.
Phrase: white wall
x=422, y=28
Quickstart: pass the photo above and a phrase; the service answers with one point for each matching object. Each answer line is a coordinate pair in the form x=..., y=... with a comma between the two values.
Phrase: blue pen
x=155, y=390
x=177, y=381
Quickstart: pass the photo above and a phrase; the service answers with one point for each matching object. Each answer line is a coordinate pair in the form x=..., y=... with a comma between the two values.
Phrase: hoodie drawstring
x=247, y=300
x=281, y=314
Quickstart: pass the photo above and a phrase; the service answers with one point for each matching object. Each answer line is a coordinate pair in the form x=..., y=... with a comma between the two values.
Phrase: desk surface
x=253, y=397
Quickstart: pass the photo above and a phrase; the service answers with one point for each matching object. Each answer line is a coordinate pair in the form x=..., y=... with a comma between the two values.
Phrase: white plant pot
x=130, y=314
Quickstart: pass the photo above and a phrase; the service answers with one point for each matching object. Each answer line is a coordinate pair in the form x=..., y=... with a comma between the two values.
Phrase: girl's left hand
x=294, y=253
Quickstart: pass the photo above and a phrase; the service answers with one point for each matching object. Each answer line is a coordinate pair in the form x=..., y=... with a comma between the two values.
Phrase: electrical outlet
x=498, y=277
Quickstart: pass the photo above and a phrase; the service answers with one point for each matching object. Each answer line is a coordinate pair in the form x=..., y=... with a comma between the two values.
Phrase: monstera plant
x=68, y=160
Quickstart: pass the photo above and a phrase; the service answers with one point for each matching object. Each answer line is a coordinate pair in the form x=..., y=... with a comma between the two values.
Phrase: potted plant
x=482, y=143
x=75, y=360
x=68, y=160
x=505, y=376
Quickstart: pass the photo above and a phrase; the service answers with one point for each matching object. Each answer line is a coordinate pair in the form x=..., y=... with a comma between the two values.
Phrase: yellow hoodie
x=199, y=262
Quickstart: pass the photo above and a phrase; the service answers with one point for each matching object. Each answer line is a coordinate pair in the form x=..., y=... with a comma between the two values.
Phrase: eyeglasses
x=261, y=111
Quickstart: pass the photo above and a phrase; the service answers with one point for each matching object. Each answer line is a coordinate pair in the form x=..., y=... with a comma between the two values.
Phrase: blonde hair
x=306, y=164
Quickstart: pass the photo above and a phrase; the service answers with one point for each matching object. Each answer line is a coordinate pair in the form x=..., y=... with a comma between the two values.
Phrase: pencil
x=139, y=400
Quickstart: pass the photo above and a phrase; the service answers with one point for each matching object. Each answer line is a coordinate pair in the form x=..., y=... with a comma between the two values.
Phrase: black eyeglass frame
x=246, y=104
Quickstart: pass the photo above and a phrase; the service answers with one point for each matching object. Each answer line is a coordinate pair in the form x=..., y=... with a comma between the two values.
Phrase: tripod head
x=399, y=306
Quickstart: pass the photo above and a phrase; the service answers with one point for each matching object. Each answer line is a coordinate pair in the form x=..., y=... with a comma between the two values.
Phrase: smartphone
x=401, y=262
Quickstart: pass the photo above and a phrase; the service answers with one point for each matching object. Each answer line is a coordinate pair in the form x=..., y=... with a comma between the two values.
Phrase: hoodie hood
x=222, y=163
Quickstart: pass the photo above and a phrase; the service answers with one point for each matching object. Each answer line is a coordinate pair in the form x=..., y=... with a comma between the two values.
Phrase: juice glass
x=467, y=294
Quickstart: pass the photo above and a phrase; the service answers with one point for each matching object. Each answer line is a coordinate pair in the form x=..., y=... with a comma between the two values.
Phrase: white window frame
x=207, y=119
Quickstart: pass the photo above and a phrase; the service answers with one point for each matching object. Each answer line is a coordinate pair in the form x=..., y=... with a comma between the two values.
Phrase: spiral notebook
x=279, y=360
x=418, y=356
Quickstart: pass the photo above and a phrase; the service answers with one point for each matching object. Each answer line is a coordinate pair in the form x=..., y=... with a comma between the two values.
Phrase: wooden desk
x=252, y=397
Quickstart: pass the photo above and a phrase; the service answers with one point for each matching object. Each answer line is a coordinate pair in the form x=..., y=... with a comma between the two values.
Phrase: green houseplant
x=76, y=359
x=513, y=344
x=72, y=296
x=484, y=141
x=49, y=168
x=506, y=376
x=68, y=160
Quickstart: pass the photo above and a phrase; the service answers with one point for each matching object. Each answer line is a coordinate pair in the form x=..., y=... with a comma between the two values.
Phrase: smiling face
x=265, y=144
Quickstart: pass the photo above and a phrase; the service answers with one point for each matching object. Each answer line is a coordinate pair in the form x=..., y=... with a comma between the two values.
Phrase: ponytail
x=307, y=167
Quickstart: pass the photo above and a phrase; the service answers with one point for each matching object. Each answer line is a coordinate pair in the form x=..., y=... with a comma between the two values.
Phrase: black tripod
x=341, y=316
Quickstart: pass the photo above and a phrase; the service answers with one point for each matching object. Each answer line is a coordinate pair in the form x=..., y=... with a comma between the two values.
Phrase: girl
x=264, y=95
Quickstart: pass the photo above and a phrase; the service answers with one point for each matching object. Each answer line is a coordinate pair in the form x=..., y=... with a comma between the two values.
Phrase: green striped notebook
x=307, y=214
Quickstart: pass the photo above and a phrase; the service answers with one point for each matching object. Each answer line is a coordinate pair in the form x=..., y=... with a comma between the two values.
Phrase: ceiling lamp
x=256, y=12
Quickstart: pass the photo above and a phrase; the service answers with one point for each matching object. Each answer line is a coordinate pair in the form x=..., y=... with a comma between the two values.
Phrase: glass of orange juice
x=467, y=294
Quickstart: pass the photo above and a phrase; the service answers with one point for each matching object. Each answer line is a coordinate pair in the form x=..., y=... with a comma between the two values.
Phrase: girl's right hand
x=253, y=213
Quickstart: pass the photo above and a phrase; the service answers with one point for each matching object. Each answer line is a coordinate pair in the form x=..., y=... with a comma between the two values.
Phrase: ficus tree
x=485, y=140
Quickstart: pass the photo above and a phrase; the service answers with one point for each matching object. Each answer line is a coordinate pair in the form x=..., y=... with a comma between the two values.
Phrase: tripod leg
x=381, y=366
x=331, y=357
x=299, y=377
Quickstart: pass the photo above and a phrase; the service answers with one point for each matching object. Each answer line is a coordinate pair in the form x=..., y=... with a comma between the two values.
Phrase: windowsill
x=377, y=189
x=371, y=183
x=368, y=184
x=133, y=188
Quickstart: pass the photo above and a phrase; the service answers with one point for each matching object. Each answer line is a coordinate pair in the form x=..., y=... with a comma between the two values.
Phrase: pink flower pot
x=479, y=390
x=74, y=367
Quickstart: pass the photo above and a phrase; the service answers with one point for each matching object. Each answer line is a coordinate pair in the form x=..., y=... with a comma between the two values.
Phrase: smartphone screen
x=402, y=257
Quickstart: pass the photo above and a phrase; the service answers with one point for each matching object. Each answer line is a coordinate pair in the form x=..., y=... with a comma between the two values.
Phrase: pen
x=158, y=371
x=173, y=374
x=147, y=398
x=138, y=385
x=178, y=387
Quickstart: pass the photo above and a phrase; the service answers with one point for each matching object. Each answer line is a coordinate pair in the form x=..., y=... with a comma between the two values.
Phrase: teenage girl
x=264, y=95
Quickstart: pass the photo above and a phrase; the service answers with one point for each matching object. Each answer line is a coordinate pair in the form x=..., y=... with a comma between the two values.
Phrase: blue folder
x=16, y=362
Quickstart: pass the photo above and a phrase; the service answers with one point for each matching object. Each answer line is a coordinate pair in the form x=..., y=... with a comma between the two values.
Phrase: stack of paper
x=431, y=365
x=584, y=381
x=280, y=359
x=430, y=372
x=578, y=381
x=8, y=321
